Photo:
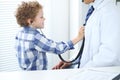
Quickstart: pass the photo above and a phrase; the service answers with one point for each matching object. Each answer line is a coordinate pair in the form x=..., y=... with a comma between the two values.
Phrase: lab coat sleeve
x=109, y=49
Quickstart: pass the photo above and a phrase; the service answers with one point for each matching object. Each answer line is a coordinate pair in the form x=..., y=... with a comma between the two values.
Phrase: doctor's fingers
x=65, y=65
x=58, y=65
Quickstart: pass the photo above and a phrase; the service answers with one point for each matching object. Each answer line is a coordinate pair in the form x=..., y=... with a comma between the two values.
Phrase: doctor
x=102, y=41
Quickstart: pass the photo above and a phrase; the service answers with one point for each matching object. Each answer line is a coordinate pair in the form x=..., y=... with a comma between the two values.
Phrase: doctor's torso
x=98, y=33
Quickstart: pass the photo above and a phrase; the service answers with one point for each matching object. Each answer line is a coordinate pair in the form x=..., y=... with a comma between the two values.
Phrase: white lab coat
x=102, y=36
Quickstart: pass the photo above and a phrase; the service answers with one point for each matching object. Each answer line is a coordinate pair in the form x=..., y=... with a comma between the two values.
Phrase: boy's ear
x=29, y=21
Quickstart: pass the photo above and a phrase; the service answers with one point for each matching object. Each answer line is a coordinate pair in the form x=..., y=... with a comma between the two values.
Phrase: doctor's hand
x=61, y=65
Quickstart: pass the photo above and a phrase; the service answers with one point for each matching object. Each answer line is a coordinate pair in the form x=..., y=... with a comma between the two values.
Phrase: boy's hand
x=81, y=32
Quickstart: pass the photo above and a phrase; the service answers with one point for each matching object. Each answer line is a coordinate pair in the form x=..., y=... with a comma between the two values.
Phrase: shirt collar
x=29, y=28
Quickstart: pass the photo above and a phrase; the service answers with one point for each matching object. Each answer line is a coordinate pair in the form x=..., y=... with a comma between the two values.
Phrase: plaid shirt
x=31, y=47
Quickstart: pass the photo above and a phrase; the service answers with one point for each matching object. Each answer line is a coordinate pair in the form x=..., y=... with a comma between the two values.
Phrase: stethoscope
x=79, y=55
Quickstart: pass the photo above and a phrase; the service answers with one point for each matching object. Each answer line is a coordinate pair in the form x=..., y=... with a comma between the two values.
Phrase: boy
x=32, y=45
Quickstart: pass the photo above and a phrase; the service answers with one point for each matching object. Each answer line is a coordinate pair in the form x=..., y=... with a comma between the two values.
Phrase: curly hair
x=27, y=10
